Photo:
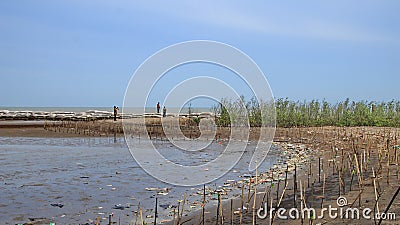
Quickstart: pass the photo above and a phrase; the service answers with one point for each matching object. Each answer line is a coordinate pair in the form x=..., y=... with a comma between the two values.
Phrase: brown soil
x=337, y=148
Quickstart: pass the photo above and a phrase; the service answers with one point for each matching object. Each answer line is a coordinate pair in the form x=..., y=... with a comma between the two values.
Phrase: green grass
x=290, y=113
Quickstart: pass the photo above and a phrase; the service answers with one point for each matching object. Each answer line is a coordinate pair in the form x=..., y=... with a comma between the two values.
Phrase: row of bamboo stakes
x=107, y=128
x=353, y=154
x=90, y=128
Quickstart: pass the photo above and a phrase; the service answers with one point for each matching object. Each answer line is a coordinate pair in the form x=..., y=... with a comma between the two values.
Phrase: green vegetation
x=346, y=113
x=196, y=120
x=312, y=113
x=237, y=112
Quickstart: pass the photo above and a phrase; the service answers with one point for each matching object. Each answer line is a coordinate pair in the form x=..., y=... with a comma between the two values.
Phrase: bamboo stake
x=357, y=198
x=242, y=204
x=339, y=183
x=255, y=195
x=301, y=201
x=231, y=211
x=270, y=218
x=141, y=217
x=204, y=203
x=388, y=172
x=352, y=177
x=137, y=213
x=221, y=211
x=178, y=214
x=277, y=191
x=218, y=205
x=358, y=172
x=295, y=185
x=323, y=193
x=183, y=208
x=175, y=214
x=376, y=193
x=390, y=204
x=309, y=175
x=155, y=212
x=286, y=174
x=279, y=203
x=319, y=169
x=265, y=194
x=248, y=193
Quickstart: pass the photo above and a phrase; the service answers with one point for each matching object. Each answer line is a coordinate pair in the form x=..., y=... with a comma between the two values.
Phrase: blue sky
x=83, y=53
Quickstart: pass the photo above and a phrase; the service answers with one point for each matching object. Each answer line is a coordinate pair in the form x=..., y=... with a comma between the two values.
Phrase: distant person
x=164, y=112
x=115, y=112
x=158, y=107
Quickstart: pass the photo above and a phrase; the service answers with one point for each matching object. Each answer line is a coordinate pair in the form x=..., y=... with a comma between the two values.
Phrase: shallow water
x=89, y=176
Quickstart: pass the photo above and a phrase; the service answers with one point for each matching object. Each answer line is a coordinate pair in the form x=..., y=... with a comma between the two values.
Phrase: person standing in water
x=115, y=112
x=158, y=107
x=164, y=112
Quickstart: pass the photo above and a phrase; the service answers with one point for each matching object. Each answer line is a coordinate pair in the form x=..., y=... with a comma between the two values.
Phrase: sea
x=134, y=110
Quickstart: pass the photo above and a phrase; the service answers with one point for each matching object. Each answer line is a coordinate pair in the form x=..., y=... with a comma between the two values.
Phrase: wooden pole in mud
x=286, y=174
x=255, y=195
x=295, y=185
x=270, y=218
x=278, y=204
x=265, y=195
x=248, y=194
x=309, y=175
x=155, y=212
x=178, y=217
x=323, y=192
x=376, y=192
x=339, y=183
x=204, y=203
x=221, y=210
x=231, y=211
x=277, y=190
x=242, y=204
x=141, y=216
x=388, y=166
x=174, y=216
x=390, y=204
x=137, y=213
x=218, y=205
x=359, y=179
x=361, y=166
x=301, y=201
x=352, y=177
x=319, y=169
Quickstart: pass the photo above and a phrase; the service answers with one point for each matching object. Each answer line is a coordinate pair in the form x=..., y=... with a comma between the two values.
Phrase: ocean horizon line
x=109, y=109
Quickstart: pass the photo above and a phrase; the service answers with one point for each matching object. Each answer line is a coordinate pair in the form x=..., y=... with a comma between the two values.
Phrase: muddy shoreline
x=328, y=174
x=334, y=150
